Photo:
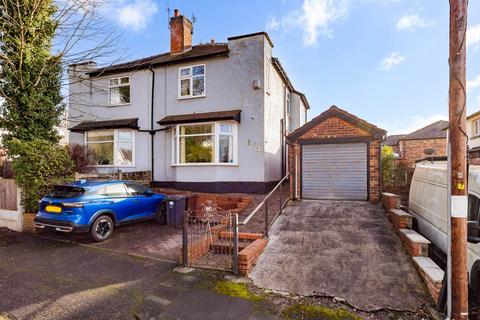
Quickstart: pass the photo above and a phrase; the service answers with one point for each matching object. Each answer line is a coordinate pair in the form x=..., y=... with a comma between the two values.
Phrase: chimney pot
x=212, y=41
x=175, y=13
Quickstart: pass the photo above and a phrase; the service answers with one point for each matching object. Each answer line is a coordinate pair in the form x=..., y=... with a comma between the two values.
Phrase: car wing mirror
x=473, y=235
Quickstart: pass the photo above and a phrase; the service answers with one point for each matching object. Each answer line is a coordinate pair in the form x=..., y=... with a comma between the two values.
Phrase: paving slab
x=344, y=249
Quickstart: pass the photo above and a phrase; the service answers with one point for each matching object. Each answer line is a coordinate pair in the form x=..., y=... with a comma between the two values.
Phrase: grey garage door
x=334, y=171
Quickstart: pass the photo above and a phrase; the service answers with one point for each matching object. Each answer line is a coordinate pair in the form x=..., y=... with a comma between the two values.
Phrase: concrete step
x=416, y=244
x=400, y=219
x=431, y=274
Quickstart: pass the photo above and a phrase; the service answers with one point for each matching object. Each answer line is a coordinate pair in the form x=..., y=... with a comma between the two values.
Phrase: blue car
x=95, y=207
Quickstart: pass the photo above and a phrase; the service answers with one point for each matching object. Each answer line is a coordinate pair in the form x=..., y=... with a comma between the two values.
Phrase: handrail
x=259, y=206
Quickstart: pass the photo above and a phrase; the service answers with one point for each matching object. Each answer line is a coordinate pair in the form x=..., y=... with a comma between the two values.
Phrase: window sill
x=119, y=105
x=205, y=165
x=111, y=166
x=190, y=97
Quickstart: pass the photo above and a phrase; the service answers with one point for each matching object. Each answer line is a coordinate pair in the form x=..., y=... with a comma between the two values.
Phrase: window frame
x=216, y=138
x=476, y=128
x=115, y=148
x=110, y=86
x=190, y=77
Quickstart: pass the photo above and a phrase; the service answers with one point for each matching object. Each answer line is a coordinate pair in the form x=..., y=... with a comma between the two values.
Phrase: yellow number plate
x=53, y=209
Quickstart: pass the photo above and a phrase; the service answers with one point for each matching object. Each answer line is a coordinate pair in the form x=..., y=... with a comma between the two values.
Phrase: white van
x=428, y=204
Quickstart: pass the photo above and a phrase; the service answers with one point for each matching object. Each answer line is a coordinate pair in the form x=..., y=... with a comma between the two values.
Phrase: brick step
x=241, y=235
x=391, y=201
x=225, y=246
x=400, y=219
x=416, y=244
x=431, y=274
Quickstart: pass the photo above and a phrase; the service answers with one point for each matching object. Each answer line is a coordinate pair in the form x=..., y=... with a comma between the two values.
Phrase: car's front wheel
x=102, y=228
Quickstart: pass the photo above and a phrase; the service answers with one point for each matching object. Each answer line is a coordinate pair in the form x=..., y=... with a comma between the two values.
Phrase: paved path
x=45, y=279
x=340, y=249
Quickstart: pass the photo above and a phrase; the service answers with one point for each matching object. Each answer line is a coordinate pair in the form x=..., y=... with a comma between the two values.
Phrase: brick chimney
x=181, y=30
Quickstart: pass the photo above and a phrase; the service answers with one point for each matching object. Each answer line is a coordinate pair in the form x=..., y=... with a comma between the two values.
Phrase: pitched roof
x=201, y=117
x=393, y=139
x=335, y=111
x=473, y=115
x=432, y=131
x=131, y=123
x=278, y=66
x=200, y=51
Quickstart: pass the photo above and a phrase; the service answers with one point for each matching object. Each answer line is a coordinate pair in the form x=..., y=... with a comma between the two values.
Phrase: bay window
x=191, y=81
x=210, y=143
x=111, y=147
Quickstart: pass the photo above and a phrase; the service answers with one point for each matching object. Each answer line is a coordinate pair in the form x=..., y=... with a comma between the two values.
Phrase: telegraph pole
x=458, y=139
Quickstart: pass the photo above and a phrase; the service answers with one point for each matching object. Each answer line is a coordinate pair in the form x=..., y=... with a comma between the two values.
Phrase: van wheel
x=475, y=284
x=102, y=228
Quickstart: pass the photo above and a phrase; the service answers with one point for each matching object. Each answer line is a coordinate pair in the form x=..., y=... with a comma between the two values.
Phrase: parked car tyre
x=102, y=228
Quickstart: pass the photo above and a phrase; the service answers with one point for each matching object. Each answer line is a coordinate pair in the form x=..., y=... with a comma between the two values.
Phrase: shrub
x=38, y=165
x=388, y=165
x=82, y=157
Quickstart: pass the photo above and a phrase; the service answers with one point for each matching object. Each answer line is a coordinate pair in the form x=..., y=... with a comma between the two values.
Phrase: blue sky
x=384, y=60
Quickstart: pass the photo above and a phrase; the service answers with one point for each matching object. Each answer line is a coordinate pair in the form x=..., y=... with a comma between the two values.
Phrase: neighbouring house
x=473, y=131
x=336, y=155
x=210, y=117
x=413, y=146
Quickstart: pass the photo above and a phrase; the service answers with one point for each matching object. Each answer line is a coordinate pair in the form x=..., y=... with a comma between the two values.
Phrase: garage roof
x=335, y=111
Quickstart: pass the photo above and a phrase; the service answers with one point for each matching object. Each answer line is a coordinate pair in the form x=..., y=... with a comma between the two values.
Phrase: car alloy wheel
x=103, y=228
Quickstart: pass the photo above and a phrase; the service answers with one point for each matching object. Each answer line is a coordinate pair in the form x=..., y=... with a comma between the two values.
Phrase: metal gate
x=210, y=238
x=335, y=171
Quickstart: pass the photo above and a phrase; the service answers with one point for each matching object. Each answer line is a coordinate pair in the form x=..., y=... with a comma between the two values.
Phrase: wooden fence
x=8, y=194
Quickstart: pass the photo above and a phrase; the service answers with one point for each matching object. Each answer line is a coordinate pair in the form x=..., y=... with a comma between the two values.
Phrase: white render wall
x=229, y=85
x=473, y=142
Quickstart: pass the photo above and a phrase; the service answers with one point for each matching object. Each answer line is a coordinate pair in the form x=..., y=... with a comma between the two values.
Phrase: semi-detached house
x=210, y=117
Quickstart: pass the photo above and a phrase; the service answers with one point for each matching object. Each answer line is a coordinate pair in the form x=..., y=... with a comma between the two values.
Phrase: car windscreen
x=65, y=192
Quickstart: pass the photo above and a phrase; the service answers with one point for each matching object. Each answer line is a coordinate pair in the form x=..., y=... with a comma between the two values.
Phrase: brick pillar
x=294, y=156
x=375, y=175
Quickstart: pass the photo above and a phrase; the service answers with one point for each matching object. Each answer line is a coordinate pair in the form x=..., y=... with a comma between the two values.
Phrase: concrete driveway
x=343, y=249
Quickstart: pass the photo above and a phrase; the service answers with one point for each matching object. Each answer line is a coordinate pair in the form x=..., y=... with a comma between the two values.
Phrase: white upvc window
x=191, y=81
x=476, y=128
x=267, y=76
x=205, y=144
x=119, y=91
x=114, y=147
x=289, y=110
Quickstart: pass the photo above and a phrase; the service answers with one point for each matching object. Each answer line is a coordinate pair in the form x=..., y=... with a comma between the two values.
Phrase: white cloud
x=135, y=14
x=412, y=22
x=392, y=60
x=473, y=84
x=473, y=35
x=272, y=24
x=410, y=124
x=314, y=18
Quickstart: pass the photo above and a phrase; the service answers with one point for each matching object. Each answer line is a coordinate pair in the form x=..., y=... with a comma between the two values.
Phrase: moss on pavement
x=238, y=290
x=317, y=312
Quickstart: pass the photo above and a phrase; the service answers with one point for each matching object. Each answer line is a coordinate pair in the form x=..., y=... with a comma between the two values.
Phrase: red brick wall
x=414, y=149
x=180, y=34
x=336, y=128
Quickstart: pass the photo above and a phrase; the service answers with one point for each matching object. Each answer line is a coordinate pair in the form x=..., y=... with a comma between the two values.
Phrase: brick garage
x=332, y=149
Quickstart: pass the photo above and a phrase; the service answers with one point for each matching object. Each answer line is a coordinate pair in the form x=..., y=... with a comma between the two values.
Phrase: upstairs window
x=191, y=81
x=476, y=128
x=119, y=91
